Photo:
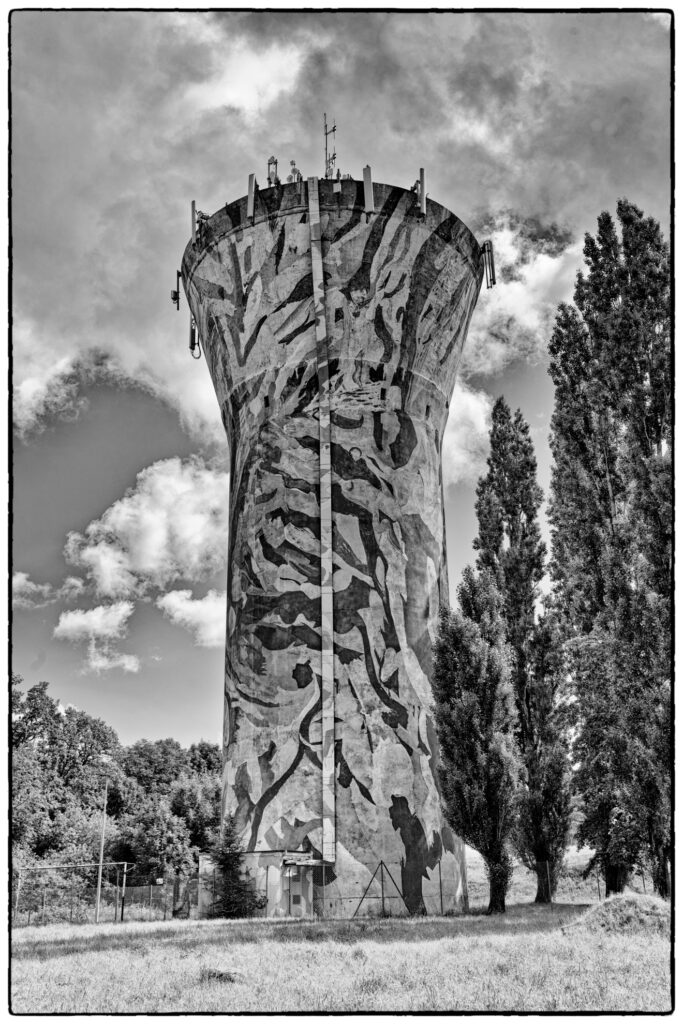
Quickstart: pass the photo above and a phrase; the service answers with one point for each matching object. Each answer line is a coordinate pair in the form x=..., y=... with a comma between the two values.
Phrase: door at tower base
x=333, y=338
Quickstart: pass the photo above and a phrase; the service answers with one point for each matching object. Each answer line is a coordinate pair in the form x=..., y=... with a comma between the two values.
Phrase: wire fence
x=47, y=894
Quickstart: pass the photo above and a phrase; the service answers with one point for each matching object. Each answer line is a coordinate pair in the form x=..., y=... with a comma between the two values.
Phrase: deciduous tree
x=509, y=545
x=611, y=512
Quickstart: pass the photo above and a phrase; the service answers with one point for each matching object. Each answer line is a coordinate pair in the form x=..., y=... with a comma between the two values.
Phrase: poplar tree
x=509, y=545
x=611, y=513
x=474, y=716
x=509, y=542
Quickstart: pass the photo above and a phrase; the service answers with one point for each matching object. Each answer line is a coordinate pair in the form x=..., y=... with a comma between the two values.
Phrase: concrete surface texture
x=333, y=337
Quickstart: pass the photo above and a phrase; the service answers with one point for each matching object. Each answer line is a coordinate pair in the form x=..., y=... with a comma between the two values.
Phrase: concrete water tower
x=332, y=314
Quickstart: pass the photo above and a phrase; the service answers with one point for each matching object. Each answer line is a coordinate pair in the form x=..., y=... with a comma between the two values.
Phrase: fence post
x=123, y=893
x=99, y=872
x=324, y=870
x=150, y=901
x=116, y=902
x=597, y=876
x=71, y=903
x=42, y=916
x=550, y=890
x=16, y=904
x=265, y=909
x=440, y=888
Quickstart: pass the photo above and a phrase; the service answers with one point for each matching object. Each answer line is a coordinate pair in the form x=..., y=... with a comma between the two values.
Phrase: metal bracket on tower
x=329, y=160
x=194, y=342
x=422, y=193
x=272, y=171
x=253, y=187
x=175, y=293
x=489, y=267
x=368, y=191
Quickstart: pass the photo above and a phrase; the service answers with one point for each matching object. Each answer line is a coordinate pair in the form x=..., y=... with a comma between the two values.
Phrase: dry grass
x=529, y=959
x=628, y=914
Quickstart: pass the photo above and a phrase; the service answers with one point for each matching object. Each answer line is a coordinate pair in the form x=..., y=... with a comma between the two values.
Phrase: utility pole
x=99, y=870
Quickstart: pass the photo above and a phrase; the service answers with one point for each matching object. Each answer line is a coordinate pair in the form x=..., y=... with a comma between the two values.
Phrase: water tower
x=332, y=314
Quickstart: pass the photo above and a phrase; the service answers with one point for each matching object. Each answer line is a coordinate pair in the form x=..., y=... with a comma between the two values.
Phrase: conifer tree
x=509, y=545
x=611, y=512
x=235, y=894
x=475, y=716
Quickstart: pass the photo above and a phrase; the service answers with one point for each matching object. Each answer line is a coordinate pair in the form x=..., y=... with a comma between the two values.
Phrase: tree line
x=163, y=800
x=541, y=698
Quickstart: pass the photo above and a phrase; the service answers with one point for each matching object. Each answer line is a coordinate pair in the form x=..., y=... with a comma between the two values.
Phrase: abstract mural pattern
x=392, y=308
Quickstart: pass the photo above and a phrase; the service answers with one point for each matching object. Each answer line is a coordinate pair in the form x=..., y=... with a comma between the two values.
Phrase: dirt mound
x=629, y=913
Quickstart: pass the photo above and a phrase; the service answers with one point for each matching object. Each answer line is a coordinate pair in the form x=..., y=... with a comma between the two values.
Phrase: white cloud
x=247, y=79
x=514, y=319
x=172, y=525
x=104, y=622
x=102, y=661
x=99, y=628
x=466, y=441
x=72, y=588
x=204, y=617
x=27, y=594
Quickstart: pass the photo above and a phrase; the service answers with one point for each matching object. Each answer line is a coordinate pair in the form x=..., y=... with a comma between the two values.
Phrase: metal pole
x=265, y=913
x=550, y=891
x=324, y=869
x=42, y=916
x=381, y=882
x=440, y=889
x=99, y=870
x=289, y=892
x=123, y=893
x=598, y=881
x=116, y=904
x=16, y=903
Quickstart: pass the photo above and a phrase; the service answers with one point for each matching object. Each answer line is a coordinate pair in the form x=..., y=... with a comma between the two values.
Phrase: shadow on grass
x=186, y=936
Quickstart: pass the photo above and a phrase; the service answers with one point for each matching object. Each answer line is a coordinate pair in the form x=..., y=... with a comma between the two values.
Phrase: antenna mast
x=329, y=160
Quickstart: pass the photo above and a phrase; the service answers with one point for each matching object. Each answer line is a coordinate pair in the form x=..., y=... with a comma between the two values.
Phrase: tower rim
x=231, y=218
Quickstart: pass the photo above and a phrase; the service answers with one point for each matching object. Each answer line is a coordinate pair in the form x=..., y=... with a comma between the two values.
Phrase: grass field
x=533, y=958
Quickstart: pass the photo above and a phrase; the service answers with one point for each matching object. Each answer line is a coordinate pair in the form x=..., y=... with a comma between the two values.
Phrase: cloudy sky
x=528, y=125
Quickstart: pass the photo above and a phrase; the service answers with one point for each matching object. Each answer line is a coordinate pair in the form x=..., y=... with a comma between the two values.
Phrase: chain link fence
x=47, y=894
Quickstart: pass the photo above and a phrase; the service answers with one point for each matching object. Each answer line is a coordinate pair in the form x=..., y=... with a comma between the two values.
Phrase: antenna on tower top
x=329, y=160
